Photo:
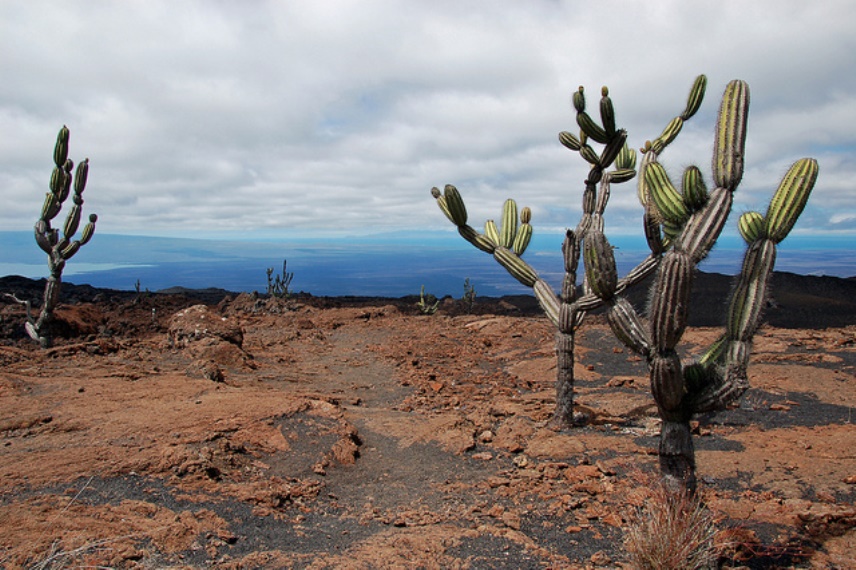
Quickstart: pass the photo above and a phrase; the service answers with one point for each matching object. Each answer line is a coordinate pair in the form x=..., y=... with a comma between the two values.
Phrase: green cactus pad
x=730, y=138
x=591, y=129
x=80, y=176
x=61, y=147
x=613, y=148
x=509, y=223
x=88, y=230
x=518, y=268
x=790, y=198
x=620, y=176
x=51, y=206
x=491, y=232
x=747, y=300
x=579, y=100
x=626, y=159
x=521, y=240
x=600, y=265
x=481, y=242
x=570, y=141
x=441, y=202
x=693, y=188
x=607, y=113
x=72, y=221
x=668, y=135
x=589, y=155
x=70, y=250
x=665, y=196
x=695, y=98
x=752, y=226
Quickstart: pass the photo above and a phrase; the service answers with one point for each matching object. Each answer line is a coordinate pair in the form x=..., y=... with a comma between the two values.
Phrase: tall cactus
x=59, y=247
x=681, y=227
x=601, y=285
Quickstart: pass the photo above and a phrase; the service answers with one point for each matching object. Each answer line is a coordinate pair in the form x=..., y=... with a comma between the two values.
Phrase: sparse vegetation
x=672, y=531
x=680, y=227
x=279, y=285
x=427, y=304
x=469, y=297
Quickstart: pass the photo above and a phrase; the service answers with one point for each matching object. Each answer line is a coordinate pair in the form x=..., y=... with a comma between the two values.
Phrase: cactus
x=279, y=285
x=601, y=285
x=427, y=304
x=681, y=226
x=469, y=297
x=60, y=247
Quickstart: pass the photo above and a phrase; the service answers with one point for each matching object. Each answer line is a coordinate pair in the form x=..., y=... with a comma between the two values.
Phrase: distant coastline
x=389, y=265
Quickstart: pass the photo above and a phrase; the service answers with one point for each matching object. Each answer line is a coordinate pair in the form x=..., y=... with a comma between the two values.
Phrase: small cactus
x=427, y=304
x=60, y=247
x=680, y=226
x=279, y=285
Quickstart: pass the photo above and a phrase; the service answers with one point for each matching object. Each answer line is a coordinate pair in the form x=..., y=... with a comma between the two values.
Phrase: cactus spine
x=681, y=227
x=59, y=248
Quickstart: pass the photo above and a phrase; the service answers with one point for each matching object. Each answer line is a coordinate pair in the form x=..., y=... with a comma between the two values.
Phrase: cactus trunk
x=564, y=412
x=677, y=456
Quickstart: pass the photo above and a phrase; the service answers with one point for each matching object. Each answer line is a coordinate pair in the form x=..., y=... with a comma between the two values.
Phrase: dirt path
x=364, y=437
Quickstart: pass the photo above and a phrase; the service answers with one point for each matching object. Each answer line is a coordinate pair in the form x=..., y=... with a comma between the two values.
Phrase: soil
x=211, y=430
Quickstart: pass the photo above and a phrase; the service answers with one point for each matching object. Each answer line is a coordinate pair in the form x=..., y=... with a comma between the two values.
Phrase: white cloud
x=204, y=117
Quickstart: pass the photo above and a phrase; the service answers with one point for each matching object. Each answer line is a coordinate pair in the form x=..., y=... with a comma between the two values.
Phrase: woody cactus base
x=60, y=247
x=680, y=226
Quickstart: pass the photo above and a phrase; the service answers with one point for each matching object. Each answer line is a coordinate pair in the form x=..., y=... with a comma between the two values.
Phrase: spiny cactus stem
x=590, y=301
x=721, y=389
x=677, y=456
x=481, y=242
x=730, y=138
x=564, y=414
x=603, y=197
x=569, y=287
x=640, y=272
x=704, y=227
x=548, y=300
x=628, y=327
x=667, y=380
x=515, y=266
x=747, y=301
x=670, y=303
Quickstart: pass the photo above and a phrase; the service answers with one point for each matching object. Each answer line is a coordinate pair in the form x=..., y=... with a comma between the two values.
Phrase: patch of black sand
x=321, y=530
x=495, y=552
x=773, y=411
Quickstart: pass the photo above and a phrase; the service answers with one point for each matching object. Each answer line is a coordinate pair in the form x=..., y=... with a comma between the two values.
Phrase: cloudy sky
x=251, y=118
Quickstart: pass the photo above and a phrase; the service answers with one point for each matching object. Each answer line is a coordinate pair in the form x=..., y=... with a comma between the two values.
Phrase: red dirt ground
x=314, y=434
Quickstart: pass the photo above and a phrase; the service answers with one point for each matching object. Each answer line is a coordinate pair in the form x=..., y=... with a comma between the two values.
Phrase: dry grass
x=672, y=532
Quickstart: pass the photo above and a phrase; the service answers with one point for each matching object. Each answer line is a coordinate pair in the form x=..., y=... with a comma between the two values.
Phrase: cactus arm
x=727, y=360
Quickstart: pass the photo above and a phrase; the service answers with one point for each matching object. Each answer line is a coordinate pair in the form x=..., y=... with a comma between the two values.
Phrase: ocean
x=387, y=265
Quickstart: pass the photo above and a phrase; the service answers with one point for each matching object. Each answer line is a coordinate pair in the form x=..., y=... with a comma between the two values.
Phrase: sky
x=253, y=119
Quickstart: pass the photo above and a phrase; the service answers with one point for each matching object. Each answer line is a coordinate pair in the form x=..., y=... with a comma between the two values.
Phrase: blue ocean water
x=390, y=265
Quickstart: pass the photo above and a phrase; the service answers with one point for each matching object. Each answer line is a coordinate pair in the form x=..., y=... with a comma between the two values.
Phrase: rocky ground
x=201, y=429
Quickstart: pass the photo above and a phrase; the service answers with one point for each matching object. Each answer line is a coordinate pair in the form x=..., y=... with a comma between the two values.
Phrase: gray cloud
x=212, y=118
